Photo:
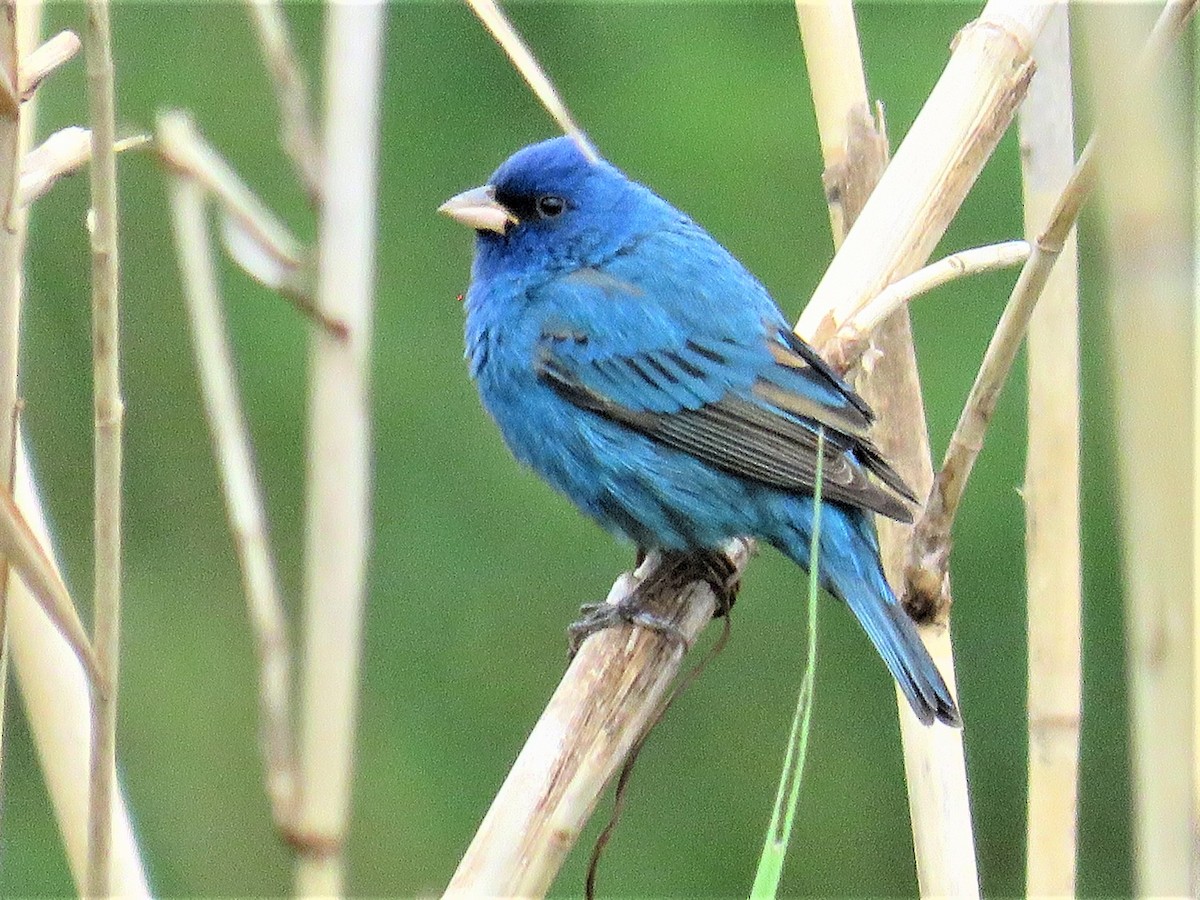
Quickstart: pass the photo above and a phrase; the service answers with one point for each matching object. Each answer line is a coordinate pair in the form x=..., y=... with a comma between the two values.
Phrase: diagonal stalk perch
x=940, y=158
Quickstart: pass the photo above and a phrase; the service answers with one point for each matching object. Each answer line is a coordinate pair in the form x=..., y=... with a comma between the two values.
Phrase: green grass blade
x=770, y=864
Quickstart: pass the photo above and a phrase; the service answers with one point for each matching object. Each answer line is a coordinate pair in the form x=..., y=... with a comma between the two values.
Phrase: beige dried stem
x=959, y=126
x=240, y=485
x=963, y=120
x=854, y=338
x=339, y=450
x=109, y=417
x=298, y=131
x=1144, y=190
x=55, y=690
x=1052, y=551
x=526, y=63
x=12, y=251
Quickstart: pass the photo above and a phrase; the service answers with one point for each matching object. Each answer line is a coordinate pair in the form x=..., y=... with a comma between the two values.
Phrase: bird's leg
x=675, y=570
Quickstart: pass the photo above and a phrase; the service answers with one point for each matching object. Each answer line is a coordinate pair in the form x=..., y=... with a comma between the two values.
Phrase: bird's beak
x=478, y=209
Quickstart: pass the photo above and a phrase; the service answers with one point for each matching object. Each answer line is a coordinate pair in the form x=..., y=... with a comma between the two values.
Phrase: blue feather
x=640, y=369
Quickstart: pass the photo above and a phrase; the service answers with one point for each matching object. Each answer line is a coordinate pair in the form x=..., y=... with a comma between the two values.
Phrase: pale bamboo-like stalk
x=1151, y=311
x=984, y=83
x=929, y=555
x=240, y=487
x=606, y=702
x=109, y=415
x=54, y=687
x=943, y=152
x=12, y=251
x=1196, y=451
x=56, y=695
x=943, y=837
x=907, y=213
x=854, y=338
x=298, y=131
x=1052, y=549
x=339, y=463
x=523, y=60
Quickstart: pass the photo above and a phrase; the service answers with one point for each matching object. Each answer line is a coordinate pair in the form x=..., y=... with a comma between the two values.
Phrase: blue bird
x=642, y=371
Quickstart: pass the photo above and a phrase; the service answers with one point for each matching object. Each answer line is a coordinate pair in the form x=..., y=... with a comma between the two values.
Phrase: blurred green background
x=477, y=567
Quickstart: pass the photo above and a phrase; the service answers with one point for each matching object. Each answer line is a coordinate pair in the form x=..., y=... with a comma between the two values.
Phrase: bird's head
x=549, y=207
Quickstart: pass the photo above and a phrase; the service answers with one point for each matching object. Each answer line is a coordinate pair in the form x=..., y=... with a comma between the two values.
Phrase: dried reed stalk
x=942, y=154
x=239, y=478
x=297, y=129
x=339, y=465
x=54, y=687
x=606, y=702
x=109, y=415
x=1052, y=551
x=56, y=695
x=12, y=250
x=1151, y=307
x=963, y=120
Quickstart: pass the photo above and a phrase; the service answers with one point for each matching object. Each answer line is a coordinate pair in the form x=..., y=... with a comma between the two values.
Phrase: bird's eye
x=550, y=206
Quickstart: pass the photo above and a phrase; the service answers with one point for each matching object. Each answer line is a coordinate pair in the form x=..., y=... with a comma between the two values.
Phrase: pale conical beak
x=478, y=209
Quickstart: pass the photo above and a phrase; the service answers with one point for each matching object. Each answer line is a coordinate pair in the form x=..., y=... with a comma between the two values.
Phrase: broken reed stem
x=1151, y=309
x=12, y=251
x=243, y=496
x=957, y=129
x=339, y=452
x=297, y=127
x=854, y=338
x=57, y=702
x=1051, y=493
x=523, y=60
x=109, y=413
x=929, y=558
x=935, y=768
x=607, y=700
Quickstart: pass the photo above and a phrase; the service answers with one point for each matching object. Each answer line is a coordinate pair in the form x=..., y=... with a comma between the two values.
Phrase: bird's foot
x=629, y=610
x=637, y=607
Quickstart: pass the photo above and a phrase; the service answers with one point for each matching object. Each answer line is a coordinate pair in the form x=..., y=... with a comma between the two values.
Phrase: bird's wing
x=750, y=404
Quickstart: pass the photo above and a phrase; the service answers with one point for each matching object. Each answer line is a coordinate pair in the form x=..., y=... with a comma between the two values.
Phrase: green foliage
x=783, y=816
x=477, y=567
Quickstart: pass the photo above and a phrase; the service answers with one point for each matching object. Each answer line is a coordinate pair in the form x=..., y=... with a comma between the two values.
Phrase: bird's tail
x=895, y=637
x=850, y=570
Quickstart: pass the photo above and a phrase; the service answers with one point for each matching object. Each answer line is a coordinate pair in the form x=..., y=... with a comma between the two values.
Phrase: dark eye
x=549, y=206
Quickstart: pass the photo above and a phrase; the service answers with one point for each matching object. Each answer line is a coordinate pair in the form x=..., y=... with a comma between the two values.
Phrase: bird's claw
x=626, y=611
x=712, y=566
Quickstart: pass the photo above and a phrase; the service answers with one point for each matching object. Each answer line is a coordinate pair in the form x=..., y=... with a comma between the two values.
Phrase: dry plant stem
x=523, y=61
x=1052, y=551
x=109, y=414
x=299, y=132
x=26, y=557
x=184, y=149
x=960, y=124
x=854, y=338
x=905, y=216
x=1151, y=308
x=39, y=63
x=608, y=698
x=934, y=763
x=243, y=499
x=339, y=464
x=54, y=688
x=56, y=695
x=12, y=247
x=929, y=558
